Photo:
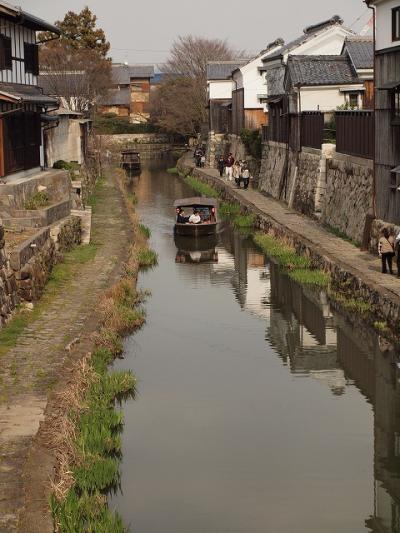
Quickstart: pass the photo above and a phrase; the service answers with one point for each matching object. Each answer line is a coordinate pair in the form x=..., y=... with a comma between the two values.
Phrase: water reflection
x=260, y=422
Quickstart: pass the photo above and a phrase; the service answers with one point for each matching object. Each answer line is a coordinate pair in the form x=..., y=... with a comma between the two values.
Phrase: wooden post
x=2, y=151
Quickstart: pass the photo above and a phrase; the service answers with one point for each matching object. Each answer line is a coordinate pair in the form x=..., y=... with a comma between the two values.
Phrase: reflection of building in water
x=371, y=364
x=303, y=331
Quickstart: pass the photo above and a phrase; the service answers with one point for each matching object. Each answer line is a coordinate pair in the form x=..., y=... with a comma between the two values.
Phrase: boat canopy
x=196, y=201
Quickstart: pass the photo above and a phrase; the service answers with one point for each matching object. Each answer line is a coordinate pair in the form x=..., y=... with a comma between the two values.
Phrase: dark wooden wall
x=220, y=116
x=387, y=140
x=237, y=111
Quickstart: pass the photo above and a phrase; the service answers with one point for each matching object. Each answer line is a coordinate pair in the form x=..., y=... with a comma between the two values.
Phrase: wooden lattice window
x=396, y=24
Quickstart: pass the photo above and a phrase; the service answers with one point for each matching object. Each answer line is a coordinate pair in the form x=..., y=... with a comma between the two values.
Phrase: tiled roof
x=321, y=70
x=275, y=81
x=122, y=74
x=26, y=19
x=222, y=70
x=29, y=94
x=117, y=97
x=308, y=33
x=361, y=51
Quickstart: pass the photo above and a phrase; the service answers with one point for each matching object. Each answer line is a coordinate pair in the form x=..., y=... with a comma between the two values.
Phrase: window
x=5, y=53
x=396, y=24
x=31, y=54
x=395, y=97
x=353, y=100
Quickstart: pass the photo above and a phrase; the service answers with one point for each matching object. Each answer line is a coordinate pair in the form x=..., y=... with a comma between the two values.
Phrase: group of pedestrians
x=388, y=248
x=200, y=157
x=234, y=170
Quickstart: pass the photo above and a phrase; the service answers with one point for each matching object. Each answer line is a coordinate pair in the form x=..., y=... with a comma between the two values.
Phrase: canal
x=259, y=408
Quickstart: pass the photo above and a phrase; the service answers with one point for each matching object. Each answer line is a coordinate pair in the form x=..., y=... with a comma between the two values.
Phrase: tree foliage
x=179, y=104
x=79, y=32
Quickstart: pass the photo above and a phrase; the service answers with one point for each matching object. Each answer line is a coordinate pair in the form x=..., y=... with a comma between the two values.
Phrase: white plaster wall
x=254, y=84
x=321, y=99
x=220, y=89
x=64, y=142
x=329, y=42
x=384, y=24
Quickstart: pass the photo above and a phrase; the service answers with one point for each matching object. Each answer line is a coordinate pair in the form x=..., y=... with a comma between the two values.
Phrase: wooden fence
x=312, y=129
x=355, y=133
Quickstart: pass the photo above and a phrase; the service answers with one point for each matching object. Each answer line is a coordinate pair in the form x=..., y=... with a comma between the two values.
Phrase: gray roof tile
x=117, y=97
x=361, y=51
x=321, y=70
x=275, y=81
x=122, y=74
x=308, y=33
x=222, y=70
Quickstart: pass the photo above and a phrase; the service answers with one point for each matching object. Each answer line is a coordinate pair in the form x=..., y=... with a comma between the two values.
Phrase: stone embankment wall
x=25, y=270
x=332, y=187
x=386, y=308
x=348, y=195
x=8, y=287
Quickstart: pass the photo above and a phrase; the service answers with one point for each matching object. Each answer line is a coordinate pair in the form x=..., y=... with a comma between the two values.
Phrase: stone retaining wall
x=8, y=288
x=25, y=272
x=385, y=308
x=305, y=186
x=348, y=197
x=333, y=187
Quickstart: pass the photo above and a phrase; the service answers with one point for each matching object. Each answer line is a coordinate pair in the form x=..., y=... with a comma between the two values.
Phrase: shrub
x=37, y=201
x=253, y=142
x=110, y=124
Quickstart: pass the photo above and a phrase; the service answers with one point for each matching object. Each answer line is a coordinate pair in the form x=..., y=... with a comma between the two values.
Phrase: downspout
x=372, y=214
x=374, y=156
x=298, y=147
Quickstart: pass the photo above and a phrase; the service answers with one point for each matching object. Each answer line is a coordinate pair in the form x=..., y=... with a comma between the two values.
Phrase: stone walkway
x=29, y=371
x=362, y=264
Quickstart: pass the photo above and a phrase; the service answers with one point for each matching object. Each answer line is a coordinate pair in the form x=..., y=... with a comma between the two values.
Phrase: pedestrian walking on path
x=221, y=166
x=229, y=166
x=397, y=251
x=386, y=250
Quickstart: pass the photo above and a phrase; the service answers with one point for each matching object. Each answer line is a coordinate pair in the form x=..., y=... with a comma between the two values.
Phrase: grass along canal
x=258, y=406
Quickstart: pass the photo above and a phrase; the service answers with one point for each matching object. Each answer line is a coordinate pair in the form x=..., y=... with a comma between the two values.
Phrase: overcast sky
x=142, y=31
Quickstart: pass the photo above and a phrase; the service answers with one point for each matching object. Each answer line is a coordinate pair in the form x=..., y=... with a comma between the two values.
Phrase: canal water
x=259, y=408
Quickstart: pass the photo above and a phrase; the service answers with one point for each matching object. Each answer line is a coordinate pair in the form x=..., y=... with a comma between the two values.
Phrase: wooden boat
x=207, y=209
x=130, y=160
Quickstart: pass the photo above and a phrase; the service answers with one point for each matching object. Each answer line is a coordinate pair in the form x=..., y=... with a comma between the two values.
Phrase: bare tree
x=179, y=104
x=79, y=77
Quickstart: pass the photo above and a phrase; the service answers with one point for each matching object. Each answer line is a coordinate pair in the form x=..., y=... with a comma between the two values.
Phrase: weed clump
x=37, y=201
x=147, y=258
x=201, y=188
x=172, y=170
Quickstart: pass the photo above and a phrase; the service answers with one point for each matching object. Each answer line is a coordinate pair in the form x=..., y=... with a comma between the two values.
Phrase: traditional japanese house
x=323, y=38
x=360, y=50
x=220, y=87
x=22, y=102
x=387, y=109
x=249, y=111
x=129, y=95
x=322, y=83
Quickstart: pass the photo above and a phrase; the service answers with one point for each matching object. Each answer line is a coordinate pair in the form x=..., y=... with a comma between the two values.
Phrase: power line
x=139, y=50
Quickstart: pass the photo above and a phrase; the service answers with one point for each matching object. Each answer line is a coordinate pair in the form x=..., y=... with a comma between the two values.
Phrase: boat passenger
x=180, y=216
x=195, y=218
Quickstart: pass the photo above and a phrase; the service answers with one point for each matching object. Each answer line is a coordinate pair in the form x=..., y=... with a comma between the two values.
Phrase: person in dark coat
x=221, y=166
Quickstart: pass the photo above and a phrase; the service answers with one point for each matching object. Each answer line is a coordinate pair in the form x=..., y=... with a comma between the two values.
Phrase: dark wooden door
x=22, y=140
